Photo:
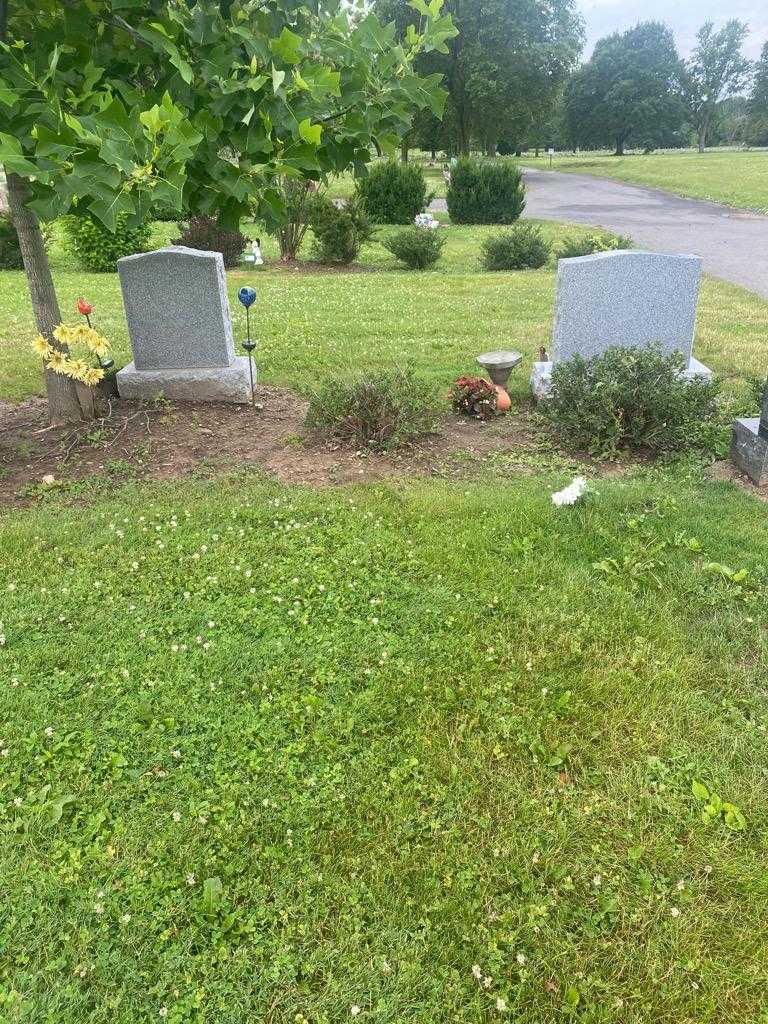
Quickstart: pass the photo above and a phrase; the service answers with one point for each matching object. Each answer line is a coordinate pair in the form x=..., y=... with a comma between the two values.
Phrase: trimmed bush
x=632, y=398
x=393, y=193
x=97, y=249
x=586, y=245
x=339, y=231
x=203, y=232
x=417, y=248
x=10, y=250
x=520, y=248
x=381, y=410
x=485, y=192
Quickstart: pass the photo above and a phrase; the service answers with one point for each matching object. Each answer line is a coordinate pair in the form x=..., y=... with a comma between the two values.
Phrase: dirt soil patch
x=163, y=441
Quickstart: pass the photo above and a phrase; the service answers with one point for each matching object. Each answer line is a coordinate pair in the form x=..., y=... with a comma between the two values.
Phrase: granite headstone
x=626, y=298
x=180, y=327
x=749, y=445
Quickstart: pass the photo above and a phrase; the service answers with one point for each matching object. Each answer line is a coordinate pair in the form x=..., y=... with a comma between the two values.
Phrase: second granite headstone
x=626, y=298
x=180, y=327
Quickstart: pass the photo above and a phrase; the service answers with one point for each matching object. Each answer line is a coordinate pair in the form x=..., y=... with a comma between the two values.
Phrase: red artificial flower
x=84, y=307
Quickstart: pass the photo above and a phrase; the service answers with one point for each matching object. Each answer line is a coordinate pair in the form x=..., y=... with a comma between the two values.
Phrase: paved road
x=733, y=243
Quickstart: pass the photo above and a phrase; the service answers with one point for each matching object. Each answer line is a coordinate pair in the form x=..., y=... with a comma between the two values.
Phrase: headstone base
x=541, y=377
x=205, y=384
x=749, y=451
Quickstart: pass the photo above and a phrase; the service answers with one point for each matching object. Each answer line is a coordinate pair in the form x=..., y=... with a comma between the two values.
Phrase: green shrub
x=97, y=249
x=417, y=248
x=203, y=232
x=586, y=245
x=339, y=231
x=631, y=398
x=523, y=246
x=382, y=410
x=393, y=193
x=485, y=193
x=10, y=250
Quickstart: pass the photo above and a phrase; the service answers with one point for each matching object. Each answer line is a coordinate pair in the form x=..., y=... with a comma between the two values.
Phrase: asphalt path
x=732, y=243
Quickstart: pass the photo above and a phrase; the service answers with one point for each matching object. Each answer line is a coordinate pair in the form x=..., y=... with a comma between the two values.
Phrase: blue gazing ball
x=247, y=296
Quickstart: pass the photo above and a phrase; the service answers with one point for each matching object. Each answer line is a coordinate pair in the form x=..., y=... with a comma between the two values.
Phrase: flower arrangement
x=571, y=494
x=474, y=396
x=426, y=220
x=61, y=360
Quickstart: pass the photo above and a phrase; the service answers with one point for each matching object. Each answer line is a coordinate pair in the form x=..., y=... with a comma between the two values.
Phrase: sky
x=684, y=17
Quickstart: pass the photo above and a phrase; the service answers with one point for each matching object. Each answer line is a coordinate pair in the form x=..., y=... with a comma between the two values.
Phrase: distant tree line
x=636, y=90
x=514, y=82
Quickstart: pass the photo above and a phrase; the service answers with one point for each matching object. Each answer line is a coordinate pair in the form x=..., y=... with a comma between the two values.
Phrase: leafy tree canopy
x=715, y=70
x=117, y=106
x=629, y=89
x=506, y=64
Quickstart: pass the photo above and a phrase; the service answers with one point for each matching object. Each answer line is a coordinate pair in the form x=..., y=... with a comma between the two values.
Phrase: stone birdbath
x=499, y=365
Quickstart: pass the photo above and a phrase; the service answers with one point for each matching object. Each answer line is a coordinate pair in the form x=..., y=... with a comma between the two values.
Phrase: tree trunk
x=404, y=147
x=619, y=146
x=63, y=404
x=464, y=134
x=703, y=132
x=492, y=149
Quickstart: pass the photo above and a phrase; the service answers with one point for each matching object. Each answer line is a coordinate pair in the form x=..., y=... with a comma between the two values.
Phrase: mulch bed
x=163, y=441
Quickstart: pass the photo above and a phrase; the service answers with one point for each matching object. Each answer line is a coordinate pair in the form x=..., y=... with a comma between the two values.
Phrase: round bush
x=99, y=250
x=586, y=245
x=485, y=192
x=339, y=231
x=522, y=247
x=393, y=193
x=10, y=250
x=632, y=398
x=382, y=410
x=203, y=232
x=417, y=248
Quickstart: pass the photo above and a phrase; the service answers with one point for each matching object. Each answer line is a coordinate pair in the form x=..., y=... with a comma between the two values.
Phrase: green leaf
x=12, y=157
x=311, y=133
x=8, y=96
x=54, y=809
x=213, y=895
x=700, y=791
x=287, y=46
x=278, y=77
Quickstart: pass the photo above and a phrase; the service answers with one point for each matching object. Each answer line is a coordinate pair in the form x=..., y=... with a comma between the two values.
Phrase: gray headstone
x=626, y=298
x=177, y=309
x=749, y=446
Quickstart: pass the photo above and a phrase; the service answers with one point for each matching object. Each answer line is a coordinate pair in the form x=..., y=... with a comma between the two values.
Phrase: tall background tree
x=109, y=107
x=758, y=102
x=505, y=66
x=716, y=70
x=629, y=90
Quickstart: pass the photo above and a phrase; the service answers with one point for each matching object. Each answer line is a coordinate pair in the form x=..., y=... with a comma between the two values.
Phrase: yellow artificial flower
x=92, y=376
x=42, y=346
x=57, y=361
x=97, y=343
x=77, y=369
x=62, y=334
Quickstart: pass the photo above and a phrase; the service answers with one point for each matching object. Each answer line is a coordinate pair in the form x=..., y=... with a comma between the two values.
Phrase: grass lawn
x=313, y=324
x=736, y=178
x=271, y=754
x=411, y=753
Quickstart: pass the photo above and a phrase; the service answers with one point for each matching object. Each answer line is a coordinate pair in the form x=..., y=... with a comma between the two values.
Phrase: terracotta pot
x=503, y=401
